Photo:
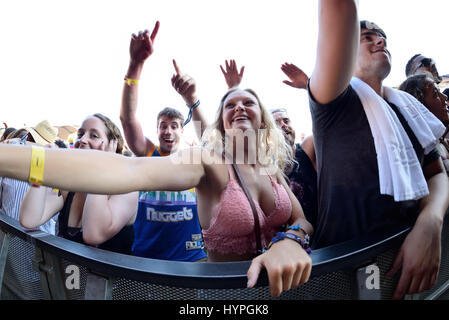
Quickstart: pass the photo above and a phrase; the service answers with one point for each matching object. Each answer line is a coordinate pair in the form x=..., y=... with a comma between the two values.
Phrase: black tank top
x=303, y=183
x=120, y=243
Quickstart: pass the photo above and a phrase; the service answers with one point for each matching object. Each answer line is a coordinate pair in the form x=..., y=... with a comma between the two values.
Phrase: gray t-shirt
x=349, y=199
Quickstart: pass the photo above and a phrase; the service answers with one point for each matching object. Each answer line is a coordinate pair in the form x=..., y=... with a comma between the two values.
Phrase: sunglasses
x=278, y=110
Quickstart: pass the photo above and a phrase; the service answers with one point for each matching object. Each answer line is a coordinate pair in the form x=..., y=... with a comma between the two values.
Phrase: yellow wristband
x=37, y=165
x=129, y=81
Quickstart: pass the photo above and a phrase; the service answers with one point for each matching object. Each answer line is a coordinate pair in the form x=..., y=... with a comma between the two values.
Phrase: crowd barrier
x=35, y=265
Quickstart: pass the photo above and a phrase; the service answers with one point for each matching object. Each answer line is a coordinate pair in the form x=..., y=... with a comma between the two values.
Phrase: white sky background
x=65, y=60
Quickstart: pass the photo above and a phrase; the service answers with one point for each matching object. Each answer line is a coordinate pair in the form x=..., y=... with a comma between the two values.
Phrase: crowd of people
x=378, y=158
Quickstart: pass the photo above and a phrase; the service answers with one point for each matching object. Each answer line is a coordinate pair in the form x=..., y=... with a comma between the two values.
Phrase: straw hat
x=43, y=133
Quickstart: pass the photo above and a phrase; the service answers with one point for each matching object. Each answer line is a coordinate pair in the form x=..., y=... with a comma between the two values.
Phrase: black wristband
x=189, y=116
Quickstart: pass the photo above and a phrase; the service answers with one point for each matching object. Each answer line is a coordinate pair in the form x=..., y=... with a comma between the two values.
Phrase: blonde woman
x=224, y=212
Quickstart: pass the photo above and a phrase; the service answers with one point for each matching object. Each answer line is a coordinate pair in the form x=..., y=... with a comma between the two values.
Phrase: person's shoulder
x=346, y=94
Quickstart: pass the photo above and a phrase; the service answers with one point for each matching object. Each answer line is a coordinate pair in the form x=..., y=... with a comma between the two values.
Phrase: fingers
x=155, y=30
x=291, y=84
x=241, y=71
x=288, y=277
x=279, y=279
x=182, y=83
x=403, y=285
x=425, y=284
x=396, y=265
x=178, y=72
x=253, y=272
x=231, y=67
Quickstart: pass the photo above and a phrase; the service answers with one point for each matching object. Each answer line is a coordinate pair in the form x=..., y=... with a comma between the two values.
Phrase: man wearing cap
x=377, y=163
x=12, y=191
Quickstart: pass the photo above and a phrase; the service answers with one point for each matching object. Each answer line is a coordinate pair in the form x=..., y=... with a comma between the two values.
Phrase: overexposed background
x=64, y=60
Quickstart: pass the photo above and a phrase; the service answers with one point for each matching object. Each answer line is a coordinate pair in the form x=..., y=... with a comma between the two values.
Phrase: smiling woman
x=98, y=220
x=218, y=192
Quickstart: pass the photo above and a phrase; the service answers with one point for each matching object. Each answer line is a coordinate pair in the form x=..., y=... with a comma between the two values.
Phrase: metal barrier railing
x=36, y=265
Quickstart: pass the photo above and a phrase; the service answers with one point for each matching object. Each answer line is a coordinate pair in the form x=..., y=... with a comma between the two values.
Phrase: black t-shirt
x=349, y=199
x=303, y=183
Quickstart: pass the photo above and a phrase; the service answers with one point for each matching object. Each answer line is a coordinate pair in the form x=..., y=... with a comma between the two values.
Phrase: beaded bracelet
x=282, y=235
x=297, y=227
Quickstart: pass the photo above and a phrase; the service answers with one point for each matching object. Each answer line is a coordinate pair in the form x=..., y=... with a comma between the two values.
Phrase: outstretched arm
x=141, y=47
x=338, y=43
x=232, y=76
x=186, y=87
x=100, y=172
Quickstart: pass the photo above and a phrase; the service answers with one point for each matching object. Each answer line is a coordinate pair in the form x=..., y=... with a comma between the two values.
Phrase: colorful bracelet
x=37, y=165
x=130, y=81
x=297, y=227
x=282, y=235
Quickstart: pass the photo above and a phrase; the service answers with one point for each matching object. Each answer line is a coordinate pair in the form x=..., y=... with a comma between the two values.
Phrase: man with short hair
x=167, y=225
x=377, y=163
x=302, y=177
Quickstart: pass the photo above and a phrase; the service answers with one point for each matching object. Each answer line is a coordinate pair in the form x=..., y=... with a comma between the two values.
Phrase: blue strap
x=189, y=117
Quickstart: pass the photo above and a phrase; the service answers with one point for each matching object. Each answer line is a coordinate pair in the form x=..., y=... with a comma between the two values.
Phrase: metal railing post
x=3, y=256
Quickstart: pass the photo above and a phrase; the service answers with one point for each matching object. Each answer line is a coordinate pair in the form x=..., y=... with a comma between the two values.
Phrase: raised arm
x=338, y=42
x=232, y=76
x=141, y=47
x=102, y=172
x=186, y=87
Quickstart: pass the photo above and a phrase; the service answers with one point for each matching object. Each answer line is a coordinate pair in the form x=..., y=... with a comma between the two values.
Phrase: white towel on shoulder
x=400, y=173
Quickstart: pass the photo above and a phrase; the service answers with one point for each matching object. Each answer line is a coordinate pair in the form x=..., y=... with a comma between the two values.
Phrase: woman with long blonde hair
x=225, y=213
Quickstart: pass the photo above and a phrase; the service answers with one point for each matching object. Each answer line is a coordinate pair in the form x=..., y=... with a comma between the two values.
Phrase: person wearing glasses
x=419, y=64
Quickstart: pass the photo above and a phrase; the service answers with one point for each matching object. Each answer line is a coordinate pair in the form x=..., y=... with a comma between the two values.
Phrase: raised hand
x=110, y=146
x=231, y=74
x=298, y=79
x=184, y=85
x=142, y=45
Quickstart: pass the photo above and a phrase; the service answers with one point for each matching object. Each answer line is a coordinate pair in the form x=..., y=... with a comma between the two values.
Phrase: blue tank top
x=167, y=225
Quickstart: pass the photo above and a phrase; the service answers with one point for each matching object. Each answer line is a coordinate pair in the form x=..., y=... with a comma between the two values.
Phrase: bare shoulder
x=308, y=145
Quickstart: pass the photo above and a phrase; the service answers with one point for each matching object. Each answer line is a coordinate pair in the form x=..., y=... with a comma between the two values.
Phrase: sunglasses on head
x=426, y=62
x=278, y=110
